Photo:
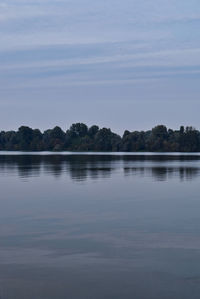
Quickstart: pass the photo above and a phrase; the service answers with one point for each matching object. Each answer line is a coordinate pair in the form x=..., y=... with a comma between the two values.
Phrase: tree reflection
x=83, y=167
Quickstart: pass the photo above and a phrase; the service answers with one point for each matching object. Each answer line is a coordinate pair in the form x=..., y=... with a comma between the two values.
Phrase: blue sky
x=120, y=64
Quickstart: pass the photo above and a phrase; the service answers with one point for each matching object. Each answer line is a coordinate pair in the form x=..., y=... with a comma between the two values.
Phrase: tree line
x=80, y=137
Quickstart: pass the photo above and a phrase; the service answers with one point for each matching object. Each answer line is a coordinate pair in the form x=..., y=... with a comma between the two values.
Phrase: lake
x=99, y=226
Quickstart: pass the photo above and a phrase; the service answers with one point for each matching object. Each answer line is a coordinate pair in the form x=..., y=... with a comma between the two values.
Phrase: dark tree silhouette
x=81, y=138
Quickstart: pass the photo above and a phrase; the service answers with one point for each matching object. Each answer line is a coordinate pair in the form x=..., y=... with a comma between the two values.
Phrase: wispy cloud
x=46, y=44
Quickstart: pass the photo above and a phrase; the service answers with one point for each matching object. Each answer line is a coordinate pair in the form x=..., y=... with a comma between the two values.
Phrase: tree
x=93, y=131
x=159, y=136
x=106, y=140
x=57, y=134
x=25, y=137
x=78, y=130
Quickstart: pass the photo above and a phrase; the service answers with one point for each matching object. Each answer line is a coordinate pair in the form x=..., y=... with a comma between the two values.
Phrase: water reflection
x=164, y=173
x=83, y=167
x=135, y=233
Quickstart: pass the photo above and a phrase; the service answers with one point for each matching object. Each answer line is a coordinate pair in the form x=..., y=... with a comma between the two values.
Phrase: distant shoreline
x=76, y=153
x=81, y=138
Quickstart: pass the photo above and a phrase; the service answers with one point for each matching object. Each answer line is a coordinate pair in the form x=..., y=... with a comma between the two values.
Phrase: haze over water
x=84, y=226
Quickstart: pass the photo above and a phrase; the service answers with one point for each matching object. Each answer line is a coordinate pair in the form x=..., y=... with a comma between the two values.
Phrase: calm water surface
x=99, y=226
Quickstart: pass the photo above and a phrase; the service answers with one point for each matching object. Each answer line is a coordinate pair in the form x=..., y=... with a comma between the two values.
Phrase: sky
x=128, y=64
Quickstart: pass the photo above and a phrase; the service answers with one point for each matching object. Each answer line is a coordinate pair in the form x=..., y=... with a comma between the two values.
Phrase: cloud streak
x=103, y=46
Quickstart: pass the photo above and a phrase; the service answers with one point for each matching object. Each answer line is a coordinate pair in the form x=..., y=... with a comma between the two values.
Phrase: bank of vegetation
x=80, y=137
